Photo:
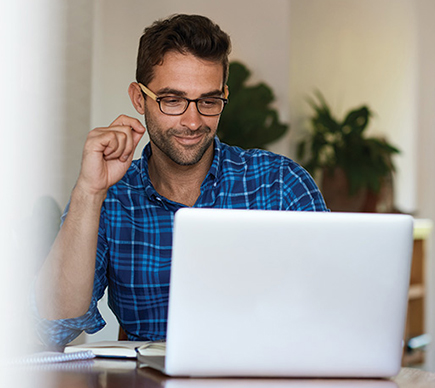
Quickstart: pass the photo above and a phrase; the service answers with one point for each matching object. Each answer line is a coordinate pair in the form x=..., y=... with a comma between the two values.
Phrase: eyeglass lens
x=178, y=105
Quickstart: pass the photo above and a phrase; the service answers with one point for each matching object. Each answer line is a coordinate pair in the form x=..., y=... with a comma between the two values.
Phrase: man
x=117, y=231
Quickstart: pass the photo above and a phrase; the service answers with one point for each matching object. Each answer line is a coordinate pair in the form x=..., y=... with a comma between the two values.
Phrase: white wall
x=45, y=78
x=33, y=100
x=31, y=106
x=426, y=144
x=360, y=52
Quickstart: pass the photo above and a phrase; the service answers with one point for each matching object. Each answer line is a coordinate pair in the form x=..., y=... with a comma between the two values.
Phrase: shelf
x=415, y=323
x=422, y=228
x=413, y=359
x=416, y=291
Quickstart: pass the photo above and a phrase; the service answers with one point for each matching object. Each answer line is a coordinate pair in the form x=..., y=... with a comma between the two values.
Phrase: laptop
x=287, y=294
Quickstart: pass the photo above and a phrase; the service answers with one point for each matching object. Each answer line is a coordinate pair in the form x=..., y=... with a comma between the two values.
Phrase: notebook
x=119, y=349
x=303, y=294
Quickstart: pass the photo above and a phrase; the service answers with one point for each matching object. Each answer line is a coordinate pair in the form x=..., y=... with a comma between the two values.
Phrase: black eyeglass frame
x=157, y=99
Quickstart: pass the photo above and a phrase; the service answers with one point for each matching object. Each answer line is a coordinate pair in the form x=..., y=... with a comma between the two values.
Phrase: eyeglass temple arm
x=148, y=92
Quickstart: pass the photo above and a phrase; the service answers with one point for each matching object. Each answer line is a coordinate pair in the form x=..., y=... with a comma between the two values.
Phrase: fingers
x=119, y=140
x=134, y=124
x=112, y=143
x=117, y=145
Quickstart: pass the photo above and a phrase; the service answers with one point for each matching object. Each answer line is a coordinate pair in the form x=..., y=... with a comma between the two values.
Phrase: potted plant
x=248, y=121
x=353, y=167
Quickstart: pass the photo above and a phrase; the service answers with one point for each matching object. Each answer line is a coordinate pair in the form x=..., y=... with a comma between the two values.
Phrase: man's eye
x=209, y=102
x=172, y=100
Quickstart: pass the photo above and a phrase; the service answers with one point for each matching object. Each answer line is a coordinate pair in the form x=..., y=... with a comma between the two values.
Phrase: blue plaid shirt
x=135, y=234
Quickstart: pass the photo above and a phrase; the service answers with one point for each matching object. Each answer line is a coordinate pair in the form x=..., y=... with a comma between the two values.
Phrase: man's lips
x=189, y=140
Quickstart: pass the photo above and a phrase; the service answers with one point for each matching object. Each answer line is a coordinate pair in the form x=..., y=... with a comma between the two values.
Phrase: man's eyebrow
x=175, y=92
x=214, y=93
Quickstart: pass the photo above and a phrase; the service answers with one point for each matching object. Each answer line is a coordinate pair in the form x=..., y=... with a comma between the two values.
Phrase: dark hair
x=186, y=34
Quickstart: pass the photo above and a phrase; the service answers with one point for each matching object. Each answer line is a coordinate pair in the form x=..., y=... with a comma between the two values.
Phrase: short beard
x=162, y=140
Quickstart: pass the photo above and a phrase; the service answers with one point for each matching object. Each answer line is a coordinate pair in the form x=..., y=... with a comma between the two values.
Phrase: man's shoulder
x=259, y=164
x=271, y=180
x=256, y=158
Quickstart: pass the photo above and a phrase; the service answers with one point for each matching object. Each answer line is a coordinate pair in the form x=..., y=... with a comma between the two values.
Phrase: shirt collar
x=215, y=165
x=149, y=188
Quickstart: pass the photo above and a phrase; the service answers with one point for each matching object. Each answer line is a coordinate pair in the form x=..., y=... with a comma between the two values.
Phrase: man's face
x=183, y=139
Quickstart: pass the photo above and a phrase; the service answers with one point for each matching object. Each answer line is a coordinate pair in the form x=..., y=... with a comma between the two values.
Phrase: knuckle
x=122, y=136
x=93, y=133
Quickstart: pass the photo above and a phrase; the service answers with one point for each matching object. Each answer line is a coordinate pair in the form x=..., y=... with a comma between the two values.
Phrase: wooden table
x=124, y=374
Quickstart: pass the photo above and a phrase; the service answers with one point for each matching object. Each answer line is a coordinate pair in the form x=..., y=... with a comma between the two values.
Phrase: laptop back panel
x=267, y=293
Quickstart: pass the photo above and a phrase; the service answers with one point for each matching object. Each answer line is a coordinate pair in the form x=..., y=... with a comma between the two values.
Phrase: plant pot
x=335, y=190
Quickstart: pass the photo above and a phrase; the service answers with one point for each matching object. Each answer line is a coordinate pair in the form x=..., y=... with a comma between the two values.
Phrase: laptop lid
x=268, y=293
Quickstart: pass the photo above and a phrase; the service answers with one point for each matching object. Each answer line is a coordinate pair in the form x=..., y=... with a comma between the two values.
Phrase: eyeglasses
x=176, y=106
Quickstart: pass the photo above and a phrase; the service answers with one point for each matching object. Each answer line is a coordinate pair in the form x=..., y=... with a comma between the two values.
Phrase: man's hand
x=108, y=153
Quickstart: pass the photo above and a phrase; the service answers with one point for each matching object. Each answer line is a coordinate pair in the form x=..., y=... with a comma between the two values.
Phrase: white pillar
x=33, y=111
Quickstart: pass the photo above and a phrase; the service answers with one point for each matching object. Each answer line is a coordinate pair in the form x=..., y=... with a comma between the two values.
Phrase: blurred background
x=66, y=66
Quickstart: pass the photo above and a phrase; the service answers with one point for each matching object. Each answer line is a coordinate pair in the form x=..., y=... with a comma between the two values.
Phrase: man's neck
x=178, y=183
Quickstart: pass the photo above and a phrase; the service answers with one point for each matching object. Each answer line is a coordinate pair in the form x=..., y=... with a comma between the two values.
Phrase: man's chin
x=187, y=160
x=189, y=154
x=184, y=150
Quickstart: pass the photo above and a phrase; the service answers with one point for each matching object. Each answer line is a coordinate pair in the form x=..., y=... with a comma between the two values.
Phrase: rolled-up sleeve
x=56, y=333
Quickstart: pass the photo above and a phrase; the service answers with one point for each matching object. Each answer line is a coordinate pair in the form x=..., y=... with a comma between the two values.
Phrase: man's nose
x=191, y=119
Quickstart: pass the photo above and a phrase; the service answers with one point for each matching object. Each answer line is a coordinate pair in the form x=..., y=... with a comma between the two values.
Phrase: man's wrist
x=89, y=196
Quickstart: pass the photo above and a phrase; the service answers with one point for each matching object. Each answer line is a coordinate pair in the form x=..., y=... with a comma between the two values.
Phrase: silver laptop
x=268, y=293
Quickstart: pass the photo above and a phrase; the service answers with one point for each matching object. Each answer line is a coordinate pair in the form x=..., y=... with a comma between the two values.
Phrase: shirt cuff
x=59, y=332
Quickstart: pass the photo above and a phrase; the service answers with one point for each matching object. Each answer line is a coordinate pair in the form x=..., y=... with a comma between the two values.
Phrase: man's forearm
x=65, y=283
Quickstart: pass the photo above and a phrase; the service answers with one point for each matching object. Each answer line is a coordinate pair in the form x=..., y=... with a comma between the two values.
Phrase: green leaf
x=238, y=74
x=300, y=149
x=357, y=120
x=248, y=120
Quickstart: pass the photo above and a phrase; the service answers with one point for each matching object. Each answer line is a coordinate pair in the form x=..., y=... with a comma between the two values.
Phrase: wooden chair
x=122, y=335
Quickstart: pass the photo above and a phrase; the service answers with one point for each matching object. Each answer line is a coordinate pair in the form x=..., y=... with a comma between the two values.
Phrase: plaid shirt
x=135, y=234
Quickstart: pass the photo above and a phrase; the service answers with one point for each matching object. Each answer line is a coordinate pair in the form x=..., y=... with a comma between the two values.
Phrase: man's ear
x=136, y=97
x=226, y=91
